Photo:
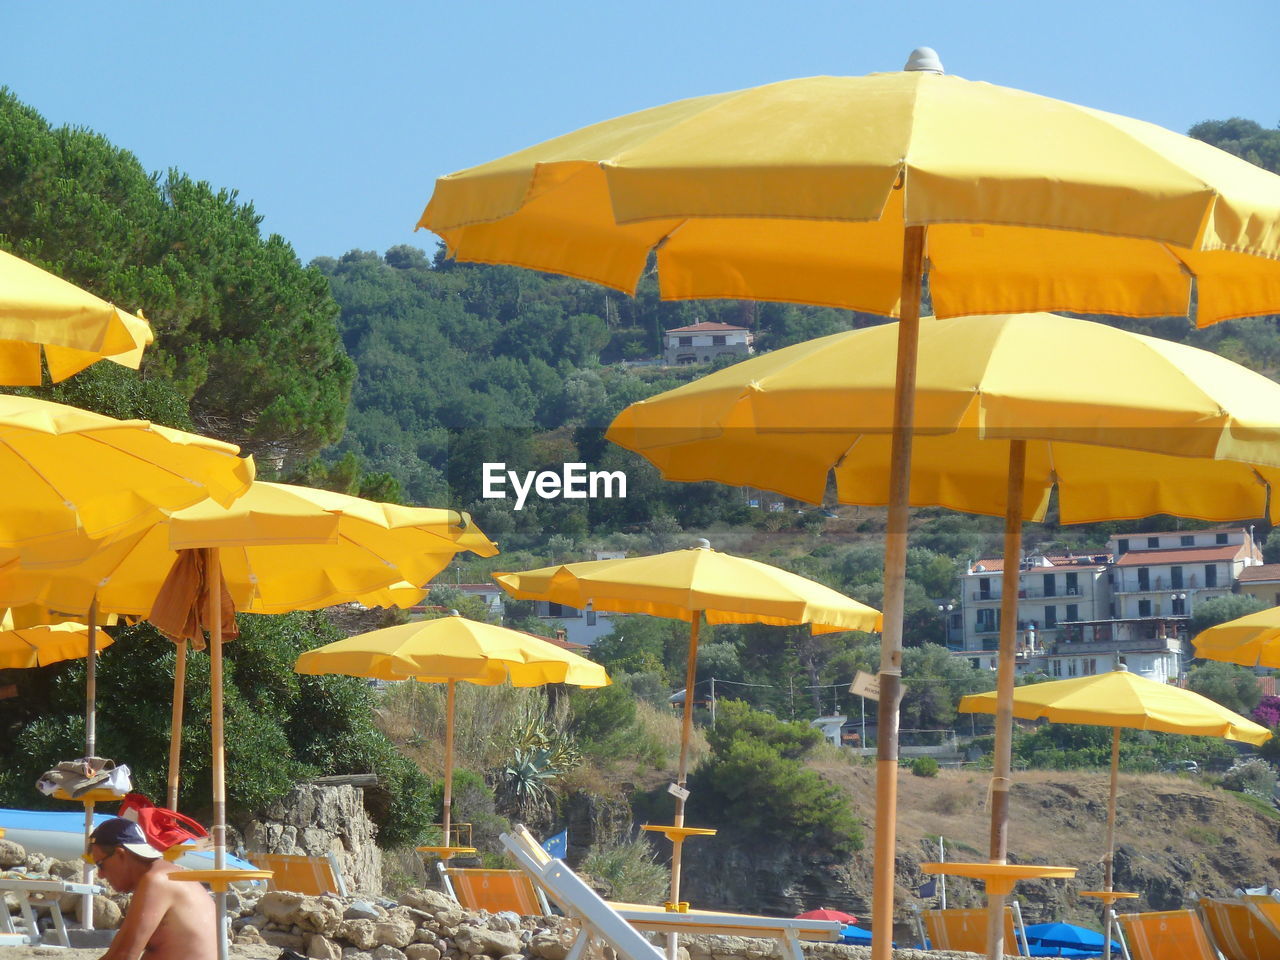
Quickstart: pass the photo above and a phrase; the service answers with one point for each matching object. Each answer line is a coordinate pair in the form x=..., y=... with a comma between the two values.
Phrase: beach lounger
x=45, y=893
x=312, y=876
x=966, y=930
x=1165, y=935
x=1240, y=930
x=493, y=890
x=565, y=888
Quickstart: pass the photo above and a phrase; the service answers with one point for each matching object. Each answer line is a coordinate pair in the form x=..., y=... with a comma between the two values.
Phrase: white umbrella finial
x=924, y=60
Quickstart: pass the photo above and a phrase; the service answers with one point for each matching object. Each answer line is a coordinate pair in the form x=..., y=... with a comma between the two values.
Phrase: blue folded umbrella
x=860, y=935
x=1065, y=936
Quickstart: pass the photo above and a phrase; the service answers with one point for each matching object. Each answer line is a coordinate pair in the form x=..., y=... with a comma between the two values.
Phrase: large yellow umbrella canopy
x=848, y=192
x=38, y=645
x=690, y=585
x=283, y=548
x=802, y=190
x=448, y=650
x=1252, y=641
x=1123, y=425
x=73, y=327
x=69, y=474
x=1120, y=699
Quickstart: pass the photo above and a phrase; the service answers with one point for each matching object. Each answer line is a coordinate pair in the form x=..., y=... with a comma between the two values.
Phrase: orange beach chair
x=494, y=890
x=312, y=876
x=1240, y=930
x=966, y=930
x=1165, y=935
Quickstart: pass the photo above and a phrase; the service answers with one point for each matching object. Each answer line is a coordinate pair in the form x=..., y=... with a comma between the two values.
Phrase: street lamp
x=945, y=609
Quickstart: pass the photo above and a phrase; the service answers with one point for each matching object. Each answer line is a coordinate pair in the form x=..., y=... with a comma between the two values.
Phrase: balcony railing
x=1029, y=593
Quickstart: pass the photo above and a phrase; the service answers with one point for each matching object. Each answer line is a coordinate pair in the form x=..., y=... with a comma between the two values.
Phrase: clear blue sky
x=335, y=118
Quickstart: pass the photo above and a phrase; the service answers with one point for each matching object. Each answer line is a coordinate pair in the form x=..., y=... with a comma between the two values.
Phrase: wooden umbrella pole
x=895, y=572
x=1002, y=763
x=686, y=733
x=213, y=575
x=1111, y=839
x=175, y=724
x=90, y=747
x=447, y=811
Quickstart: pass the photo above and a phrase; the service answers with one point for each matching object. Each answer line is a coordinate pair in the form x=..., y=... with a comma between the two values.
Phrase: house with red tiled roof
x=1129, y=604
x=703, y=342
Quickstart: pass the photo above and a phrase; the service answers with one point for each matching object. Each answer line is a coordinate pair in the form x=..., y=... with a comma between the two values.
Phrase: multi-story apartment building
x=1262, y=582
x=1084, y=615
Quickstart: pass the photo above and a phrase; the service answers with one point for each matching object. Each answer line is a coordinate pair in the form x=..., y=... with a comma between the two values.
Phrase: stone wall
x=315, y=820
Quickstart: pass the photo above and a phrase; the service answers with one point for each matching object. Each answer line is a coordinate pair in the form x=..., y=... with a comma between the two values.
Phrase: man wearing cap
x=165, y=920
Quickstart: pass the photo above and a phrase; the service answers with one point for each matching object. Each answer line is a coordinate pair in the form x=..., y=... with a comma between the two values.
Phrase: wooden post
x=175, y=724
x=895, y=572
x=213, y=578
x=447, y=805
x=1111, y=840
x=1002, y=762
x=686, y=733
x=90, y=749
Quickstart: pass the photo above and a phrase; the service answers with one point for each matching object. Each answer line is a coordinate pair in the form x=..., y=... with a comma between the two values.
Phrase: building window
x=685, y=341
x=1144, y=608
x=1179, y=606
x=1071, y=668
x=1175, y=577
x=1153, y=543
x=1220, y=539
x=984, y=588
x=988, y=621
x=1057, y=668
x=591, y=618
x=1050, y=617
x=1050, y=585
x=717, y=340
x=977, y=663
x=1073, y=584
x=1188, y=540
x=1122, y=545
x=1144, y=578
x=1073, y=612
x=1090, y=666
x=563, y=612
x=1210, y=574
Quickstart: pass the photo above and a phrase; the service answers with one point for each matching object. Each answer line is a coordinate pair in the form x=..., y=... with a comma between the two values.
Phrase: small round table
x=999, y=878
x=1109, y=896
x=677, y=836
x=220, y=881
x=445, y=853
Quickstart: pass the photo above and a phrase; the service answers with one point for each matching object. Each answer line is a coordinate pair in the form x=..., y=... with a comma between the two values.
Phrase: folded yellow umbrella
x=70, y=474
x=74, y=328
x=1120, y=699
x=1253, y=640
x=43, y=644
x=690, y=585
x=449, y=650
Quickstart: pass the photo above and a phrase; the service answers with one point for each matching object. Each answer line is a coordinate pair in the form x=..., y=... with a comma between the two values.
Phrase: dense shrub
x=924, y=767
x=1256, y=777
x=755, y=783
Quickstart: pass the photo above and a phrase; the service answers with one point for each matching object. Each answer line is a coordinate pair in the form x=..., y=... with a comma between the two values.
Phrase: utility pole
x=713, y=703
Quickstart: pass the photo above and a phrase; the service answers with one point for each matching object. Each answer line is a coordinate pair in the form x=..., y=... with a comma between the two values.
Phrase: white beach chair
x=549, y=873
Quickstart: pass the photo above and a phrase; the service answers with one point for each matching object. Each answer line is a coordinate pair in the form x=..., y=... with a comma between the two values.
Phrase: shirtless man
x=165, y=920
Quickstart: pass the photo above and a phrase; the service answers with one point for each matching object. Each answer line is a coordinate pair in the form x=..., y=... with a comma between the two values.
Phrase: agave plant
x=525, y=784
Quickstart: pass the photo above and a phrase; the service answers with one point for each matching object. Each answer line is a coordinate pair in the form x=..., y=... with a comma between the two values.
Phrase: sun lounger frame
x=23, y=890
x=562, y=886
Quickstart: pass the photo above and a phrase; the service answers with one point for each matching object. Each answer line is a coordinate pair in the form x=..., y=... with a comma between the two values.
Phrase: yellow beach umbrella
x=692, y=585
x=1252, y=641
x=69, y=474
x=39, y=645
x=848, y=192
x=73, y=327
x=449, y=650
x=1120, y=699
x=1008, y=408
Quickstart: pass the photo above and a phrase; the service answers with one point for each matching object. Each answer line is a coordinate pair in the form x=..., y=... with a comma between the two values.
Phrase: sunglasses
x=89, y=859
